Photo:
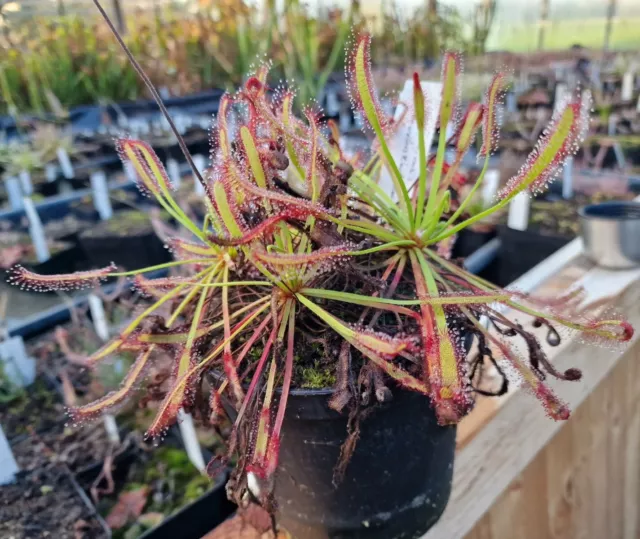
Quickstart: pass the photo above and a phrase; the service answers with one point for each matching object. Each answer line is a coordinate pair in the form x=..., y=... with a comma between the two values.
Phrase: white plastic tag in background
x=65, y=163
x=130, y=171
x=511, y=102
x=173, y=171
x=490, y=185
x=613, y=122
x=333, y=104
x=404, y=142
x=25, y=182
x=8, y=465
x=344, y=120
x=18, y=367
x=36, y=231
x=561, y=92
x=627, y=86
x=100, y=191
x=519, y=211
x=567, y=179
x=14, y=192
x=98, y=316
x=190, y=439
x=638, y=105
x=201, y=164
x=50, y=172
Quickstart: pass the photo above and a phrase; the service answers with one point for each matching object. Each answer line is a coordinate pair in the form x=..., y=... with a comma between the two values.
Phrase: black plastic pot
x=130, y=252
x=469, y=241
x=197, y=518
x=396, y=485
x=520, y=251
x=62, y=261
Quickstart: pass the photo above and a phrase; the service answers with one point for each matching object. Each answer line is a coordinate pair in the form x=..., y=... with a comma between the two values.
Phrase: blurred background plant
x=49, y=64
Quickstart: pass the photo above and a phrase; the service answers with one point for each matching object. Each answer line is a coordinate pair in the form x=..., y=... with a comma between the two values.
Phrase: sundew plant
x=304, y=262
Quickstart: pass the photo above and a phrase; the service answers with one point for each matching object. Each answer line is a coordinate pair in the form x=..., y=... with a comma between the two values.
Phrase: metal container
x=611, y=233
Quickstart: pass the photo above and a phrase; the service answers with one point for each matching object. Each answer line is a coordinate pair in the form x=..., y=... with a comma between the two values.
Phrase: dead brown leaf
x=128, y=507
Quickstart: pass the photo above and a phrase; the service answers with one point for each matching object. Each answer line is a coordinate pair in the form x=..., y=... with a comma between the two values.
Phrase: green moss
x=316, y=377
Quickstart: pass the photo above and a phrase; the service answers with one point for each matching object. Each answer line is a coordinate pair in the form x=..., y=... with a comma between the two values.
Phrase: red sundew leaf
x=147, y=165
x=337, y=252
x=114, y=398
x=560, y=140
x=220, y=136
x=490, y=122
x=467, y=128
x=28, y=280
x=363, y=42
x=556, y=409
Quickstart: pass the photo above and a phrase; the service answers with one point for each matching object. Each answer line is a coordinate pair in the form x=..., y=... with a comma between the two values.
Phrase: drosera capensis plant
x=300, y=249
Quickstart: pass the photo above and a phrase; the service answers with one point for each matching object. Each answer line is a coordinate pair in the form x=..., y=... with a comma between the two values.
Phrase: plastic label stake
x=130, y=171
x=65, y=163
x=51, y=172
x=25, y=182
x=173, y=170
x=404, y=142
x=36, y=231
x=190, y=439
x=490, y=186
x=100, y=190
x=567, y=179
x=627, y=86
x=519, y=211
x=8, y=465
x=18, y=367
x=102, y=329
x=201, y=164
x=333, y=104
x=14, y=192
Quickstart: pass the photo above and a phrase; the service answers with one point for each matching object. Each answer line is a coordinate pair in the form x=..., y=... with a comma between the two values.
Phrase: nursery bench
x=518, y=473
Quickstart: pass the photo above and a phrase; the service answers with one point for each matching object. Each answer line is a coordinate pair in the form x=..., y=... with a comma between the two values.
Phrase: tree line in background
x=53, y=63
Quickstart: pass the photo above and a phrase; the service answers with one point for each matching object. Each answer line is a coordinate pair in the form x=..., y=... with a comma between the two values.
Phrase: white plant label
x=333, y=104
x=344, y=120
x=627, y=86
x=567, y=179
x=100, y=190
x=404, y=142
x=50, y=172
x=561, y=92
x=65, y=163
x=99, y=317
x=201, y=164
x=36, y=231
x=190, y=439
x=490, y=186
x=25, y=182
x=130, y=171
x=519, y=211
x=18, y=367
x=173, y=170
x=14, y=193
x=8, y=465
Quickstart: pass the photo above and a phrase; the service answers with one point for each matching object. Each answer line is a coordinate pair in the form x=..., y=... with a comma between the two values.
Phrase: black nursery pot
x=396, y=484
x=520, y=251
x=469, y=241
x=130, y=252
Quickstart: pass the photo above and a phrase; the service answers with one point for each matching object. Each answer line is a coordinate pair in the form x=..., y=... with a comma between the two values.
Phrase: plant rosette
x=303, y=261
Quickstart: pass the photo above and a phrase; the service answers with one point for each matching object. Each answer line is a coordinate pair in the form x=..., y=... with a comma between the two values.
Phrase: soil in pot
x=127, y=239
x=24, y=411
x=46, y=503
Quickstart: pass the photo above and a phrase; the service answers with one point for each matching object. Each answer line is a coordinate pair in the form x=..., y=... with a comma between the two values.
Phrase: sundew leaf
x=559, y=141
x=365, y=97
x=253, y=156
x=490, y=122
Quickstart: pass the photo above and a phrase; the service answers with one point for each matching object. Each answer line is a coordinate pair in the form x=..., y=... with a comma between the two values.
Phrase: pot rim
x=590, y=212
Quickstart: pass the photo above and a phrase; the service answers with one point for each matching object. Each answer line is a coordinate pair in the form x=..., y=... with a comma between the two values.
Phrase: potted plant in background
x=306, y=272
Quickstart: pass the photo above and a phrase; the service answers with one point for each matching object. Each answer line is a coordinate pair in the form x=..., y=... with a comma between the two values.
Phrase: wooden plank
x=503, y=449
x=585, y=482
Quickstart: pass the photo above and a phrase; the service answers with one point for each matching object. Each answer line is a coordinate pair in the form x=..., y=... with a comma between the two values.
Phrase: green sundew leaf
x=287, y=103
x=253, y=156
x=224, y=209
x=449, y=91
x=359, y=299
x=362, y=78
